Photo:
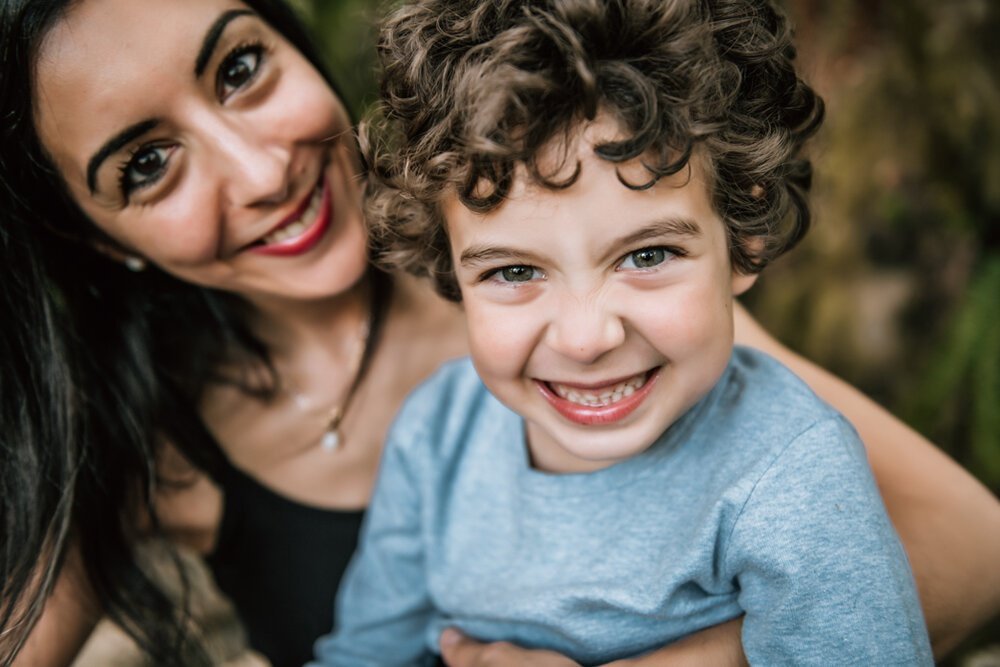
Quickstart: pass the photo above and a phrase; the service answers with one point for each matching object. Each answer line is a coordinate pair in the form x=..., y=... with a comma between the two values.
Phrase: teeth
x=608, y=396
x=295, y=228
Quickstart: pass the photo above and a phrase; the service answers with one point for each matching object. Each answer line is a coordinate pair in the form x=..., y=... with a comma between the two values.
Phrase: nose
x=257, y=170
x=585, y=329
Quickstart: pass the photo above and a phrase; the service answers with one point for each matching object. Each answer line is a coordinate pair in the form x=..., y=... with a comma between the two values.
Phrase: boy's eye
x=146, y=166
x=238, y=69
x=516, y=274
x=646, y=258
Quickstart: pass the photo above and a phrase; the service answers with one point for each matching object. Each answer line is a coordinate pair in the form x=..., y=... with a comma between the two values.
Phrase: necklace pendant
x=330, y=440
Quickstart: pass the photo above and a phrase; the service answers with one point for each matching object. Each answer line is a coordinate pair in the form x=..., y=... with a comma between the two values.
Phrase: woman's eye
x=144, y=168
x=238, y=70
x=646, y=258
x=516, y=274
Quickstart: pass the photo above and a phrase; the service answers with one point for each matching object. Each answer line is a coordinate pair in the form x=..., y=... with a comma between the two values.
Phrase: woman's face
x=195, y=136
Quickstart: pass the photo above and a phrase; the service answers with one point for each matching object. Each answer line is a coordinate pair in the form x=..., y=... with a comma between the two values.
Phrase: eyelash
x=672, y=252
x=256, y=47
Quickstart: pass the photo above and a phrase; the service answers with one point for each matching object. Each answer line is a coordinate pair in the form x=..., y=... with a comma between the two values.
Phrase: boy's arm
x=823, y=578
x=383, y=607
x=949, y=523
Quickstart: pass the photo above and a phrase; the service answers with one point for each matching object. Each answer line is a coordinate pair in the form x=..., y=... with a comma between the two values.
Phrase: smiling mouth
x=608, y=395
x=303, y=229
x=594, y=405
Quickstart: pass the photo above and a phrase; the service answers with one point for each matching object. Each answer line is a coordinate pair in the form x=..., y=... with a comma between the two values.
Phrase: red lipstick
x=308, y=239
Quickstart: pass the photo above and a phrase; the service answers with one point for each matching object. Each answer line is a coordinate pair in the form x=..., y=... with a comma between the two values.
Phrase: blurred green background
x=897, y=288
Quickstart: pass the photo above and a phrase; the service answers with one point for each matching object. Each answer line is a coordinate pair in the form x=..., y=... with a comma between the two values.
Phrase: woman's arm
x=948, y=521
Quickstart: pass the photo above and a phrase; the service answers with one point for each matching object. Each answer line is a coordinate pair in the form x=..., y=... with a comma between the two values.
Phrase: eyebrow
x=115, y=144
x=684, y=227
x=133, y=132
x=657, y=229
x=483, y=254
x=212, y=38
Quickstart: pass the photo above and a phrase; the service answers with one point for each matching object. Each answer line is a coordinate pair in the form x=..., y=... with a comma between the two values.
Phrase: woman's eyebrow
x=212, y=38
x=113, y=145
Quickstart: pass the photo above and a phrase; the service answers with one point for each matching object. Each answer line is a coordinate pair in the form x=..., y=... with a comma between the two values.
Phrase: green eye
x=517, y=274
x=646, y=258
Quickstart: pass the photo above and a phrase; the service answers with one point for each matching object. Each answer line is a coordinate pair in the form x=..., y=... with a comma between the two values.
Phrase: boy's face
x=598, y=313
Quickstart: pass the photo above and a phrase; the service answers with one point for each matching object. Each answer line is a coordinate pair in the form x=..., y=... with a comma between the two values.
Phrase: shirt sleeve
x=383, y=607
x=823, y=577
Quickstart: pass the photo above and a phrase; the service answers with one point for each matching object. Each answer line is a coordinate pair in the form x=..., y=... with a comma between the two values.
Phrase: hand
x=457, y=650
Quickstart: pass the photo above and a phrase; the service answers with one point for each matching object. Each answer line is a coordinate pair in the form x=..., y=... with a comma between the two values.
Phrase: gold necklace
x=379, y=297
x=332, y=436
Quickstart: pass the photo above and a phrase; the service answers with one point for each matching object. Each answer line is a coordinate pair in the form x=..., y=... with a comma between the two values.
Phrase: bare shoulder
x=188, y=503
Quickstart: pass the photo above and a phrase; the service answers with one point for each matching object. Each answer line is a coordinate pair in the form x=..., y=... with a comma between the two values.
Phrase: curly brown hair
x=472, y=89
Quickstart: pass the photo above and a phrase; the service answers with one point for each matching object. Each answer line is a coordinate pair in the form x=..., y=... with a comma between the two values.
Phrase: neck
x=287, y=326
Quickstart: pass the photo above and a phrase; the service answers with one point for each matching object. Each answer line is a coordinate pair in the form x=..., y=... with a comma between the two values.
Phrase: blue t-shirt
x=758, y=501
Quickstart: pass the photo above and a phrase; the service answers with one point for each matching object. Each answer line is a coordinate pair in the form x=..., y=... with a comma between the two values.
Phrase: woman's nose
x=585, y=330
x=258, y=171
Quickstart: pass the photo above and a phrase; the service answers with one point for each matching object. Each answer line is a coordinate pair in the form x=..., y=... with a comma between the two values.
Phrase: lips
x=303, y=229
x=592, y=405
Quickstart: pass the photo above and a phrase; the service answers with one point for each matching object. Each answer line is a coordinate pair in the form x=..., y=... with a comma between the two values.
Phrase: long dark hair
x=97, y=369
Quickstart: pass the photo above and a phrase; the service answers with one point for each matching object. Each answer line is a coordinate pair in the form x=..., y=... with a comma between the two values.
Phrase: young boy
x=596, y=181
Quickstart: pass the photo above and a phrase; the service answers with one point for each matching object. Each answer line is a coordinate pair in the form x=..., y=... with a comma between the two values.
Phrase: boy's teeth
x=607, y=396
x=296, y=228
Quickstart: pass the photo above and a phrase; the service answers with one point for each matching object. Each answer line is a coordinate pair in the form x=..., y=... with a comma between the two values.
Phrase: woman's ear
x=116, y=253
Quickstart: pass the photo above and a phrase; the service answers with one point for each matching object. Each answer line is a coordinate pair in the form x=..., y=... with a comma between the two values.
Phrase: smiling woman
x=189, y=314
x=204, y=145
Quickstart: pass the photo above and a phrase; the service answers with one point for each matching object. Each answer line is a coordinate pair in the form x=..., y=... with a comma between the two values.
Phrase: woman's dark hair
x=98, y=368
x=470, y=90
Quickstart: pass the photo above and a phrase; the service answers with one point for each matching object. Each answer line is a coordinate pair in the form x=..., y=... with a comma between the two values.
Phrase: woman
x=194, y=345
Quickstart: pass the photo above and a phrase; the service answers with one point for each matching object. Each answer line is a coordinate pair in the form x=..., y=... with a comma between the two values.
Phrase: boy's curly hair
x=471, y=89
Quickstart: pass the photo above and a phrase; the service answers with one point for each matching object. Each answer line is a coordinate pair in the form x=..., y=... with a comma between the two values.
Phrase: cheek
x=305, y=104
x=500, y=339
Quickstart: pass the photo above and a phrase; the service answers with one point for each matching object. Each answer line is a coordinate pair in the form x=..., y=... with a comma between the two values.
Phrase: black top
x=280, y=562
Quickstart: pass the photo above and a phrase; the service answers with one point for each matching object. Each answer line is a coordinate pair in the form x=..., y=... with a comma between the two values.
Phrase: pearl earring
x=136, y=264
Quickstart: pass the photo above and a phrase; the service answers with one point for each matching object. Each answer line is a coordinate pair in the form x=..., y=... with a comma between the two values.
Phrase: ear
x=754, y=245
x=119, y=255
x=743, y=281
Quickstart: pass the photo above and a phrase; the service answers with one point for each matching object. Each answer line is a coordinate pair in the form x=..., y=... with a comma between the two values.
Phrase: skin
x=578, y=289
x=241, y=162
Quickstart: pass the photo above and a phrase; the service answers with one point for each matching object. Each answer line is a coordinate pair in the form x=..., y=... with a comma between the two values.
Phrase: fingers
x=457, y=650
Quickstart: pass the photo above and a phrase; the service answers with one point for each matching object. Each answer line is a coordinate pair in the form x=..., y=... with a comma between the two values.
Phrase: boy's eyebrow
x=657, y=229
x=685, y=227
x=482, y=254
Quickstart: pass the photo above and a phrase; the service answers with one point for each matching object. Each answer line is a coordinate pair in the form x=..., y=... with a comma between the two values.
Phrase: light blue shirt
x=758, y=501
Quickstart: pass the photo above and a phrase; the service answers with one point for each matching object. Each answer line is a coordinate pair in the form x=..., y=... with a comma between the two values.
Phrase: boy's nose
x=585, y=331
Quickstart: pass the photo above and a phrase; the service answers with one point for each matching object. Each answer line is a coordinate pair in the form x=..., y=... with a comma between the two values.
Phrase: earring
x=134, y=263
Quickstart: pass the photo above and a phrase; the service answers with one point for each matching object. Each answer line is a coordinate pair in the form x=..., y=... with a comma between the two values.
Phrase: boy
x=596, y=181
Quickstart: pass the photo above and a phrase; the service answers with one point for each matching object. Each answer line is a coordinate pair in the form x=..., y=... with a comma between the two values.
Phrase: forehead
x=108, y=63
x=598, y=188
